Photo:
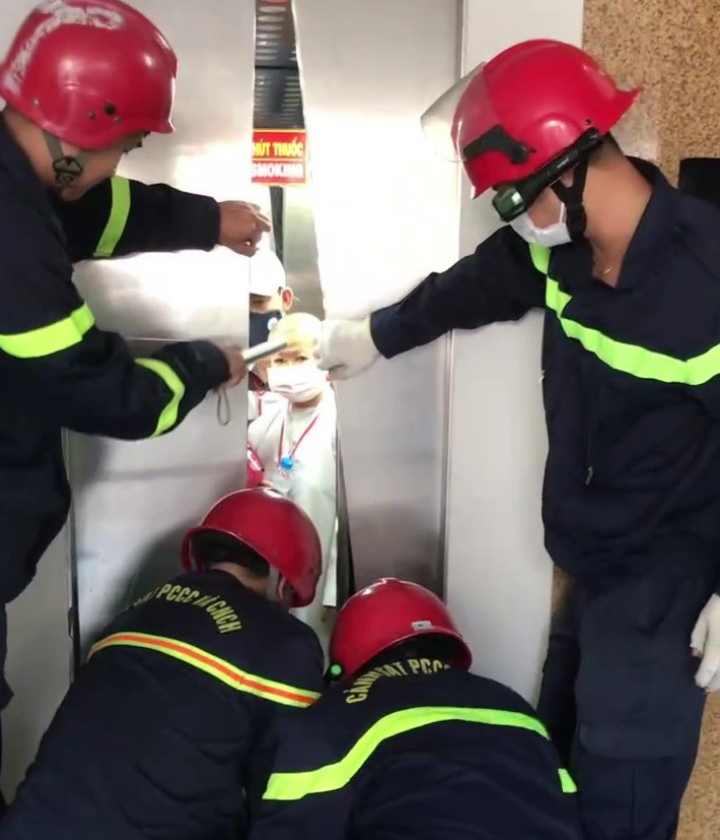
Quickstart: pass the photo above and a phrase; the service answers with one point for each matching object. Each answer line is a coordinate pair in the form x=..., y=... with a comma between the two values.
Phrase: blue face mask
x=260, y=325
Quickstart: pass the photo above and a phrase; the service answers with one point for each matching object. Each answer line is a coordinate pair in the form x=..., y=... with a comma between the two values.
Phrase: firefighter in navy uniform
x=159, y=733
x=84, y=81
x=627, y=270
x=407, y=744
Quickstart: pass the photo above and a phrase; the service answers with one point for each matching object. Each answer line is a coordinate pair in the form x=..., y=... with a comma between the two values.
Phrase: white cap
x=267, y=274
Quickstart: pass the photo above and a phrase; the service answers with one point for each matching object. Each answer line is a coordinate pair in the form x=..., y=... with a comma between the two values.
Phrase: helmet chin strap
x=273, y=589
x=273, y=582
x=66, y=167
x=572, y=197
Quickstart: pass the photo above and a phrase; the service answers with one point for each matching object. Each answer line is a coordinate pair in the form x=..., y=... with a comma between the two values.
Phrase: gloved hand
x=705, y=642
x=345, y=348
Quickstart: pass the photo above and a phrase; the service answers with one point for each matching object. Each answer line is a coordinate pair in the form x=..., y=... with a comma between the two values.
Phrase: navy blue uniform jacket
x=414, y=750
x=631, y=380
x=162, y=729
x=57, y=369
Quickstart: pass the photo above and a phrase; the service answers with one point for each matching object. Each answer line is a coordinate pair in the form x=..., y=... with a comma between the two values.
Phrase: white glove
x=705, y=642
x=345, y=348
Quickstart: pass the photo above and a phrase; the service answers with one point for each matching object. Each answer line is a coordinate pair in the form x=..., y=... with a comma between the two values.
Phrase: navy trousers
x=620, y=702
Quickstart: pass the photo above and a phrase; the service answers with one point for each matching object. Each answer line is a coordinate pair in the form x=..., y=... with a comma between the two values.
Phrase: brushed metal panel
x=300, y=249
x=386, y=214
x=133, y=500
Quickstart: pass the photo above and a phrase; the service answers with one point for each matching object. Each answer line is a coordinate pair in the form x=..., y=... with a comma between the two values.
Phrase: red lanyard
x=299, y=440
x=260, y=389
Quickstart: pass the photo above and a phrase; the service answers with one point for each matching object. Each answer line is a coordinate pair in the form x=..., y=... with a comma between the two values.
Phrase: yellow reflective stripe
x=44, y=341
x=627, y=358
x=294, y=786
x=566, y=781
x=119, y=213
x=276, y=692
x=169, y=415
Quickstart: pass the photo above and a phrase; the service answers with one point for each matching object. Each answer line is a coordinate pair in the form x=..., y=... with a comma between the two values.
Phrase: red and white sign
x=279, y=157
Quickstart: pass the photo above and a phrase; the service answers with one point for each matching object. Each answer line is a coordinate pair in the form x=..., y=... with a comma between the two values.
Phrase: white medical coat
x=312, y=484
x=263, y=401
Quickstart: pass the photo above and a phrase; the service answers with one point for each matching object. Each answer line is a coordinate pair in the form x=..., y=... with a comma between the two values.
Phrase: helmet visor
x=439, y=122
x=463, y=124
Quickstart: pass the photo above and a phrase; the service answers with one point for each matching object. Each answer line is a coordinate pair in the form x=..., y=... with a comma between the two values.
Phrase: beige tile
x=671, y=48
x=700, y=819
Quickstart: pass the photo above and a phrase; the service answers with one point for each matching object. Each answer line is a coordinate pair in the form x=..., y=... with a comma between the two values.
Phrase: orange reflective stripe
x=240, y=680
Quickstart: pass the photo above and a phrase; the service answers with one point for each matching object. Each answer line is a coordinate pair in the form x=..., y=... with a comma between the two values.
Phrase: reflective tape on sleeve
x=294, y=786
x=275, y=692
x=169, y=416
x=44, y=341
x=119, y=213
x=632, y=359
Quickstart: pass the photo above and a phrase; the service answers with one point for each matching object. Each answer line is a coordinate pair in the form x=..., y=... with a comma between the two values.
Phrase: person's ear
x=287, y=297
x=285, y=594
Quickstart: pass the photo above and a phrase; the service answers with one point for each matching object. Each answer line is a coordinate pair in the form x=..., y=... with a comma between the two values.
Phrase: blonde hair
x=300, y=326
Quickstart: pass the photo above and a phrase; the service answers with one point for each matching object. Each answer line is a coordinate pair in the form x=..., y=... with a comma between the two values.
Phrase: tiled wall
x=672, y=48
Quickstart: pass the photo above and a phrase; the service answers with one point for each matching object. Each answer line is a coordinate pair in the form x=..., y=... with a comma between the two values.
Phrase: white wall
x=498, y=578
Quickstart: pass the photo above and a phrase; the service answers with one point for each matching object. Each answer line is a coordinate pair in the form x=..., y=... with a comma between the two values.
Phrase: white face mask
x=548, y=237
x=297, y=383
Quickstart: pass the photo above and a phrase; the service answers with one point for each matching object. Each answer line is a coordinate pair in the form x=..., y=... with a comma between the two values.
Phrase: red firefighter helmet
x=90, y=72
x=510, y=117
x=384, y=614
x=275, y=528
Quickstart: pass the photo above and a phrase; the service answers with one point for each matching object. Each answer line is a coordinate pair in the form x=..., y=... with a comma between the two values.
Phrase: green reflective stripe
x=119, y=212
x=294, y=786
x=169, y=415
x=627, y=358
x=566, y=781
x=557, y=300
x=540, y=257
x=44, y=341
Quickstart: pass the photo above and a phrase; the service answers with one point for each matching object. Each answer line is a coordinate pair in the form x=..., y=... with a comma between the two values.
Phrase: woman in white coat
x=296, y=442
